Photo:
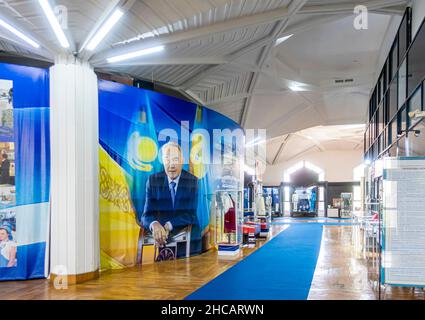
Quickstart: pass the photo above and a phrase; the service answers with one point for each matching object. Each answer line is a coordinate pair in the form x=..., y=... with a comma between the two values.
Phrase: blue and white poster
x=24, y=172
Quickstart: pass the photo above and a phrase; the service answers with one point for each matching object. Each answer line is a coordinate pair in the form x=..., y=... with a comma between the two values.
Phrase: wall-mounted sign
x=403, y=254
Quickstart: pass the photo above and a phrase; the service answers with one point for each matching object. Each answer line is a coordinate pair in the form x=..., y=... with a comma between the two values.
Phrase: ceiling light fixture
x=298, y=86
x=19, y=34
x=283, y=39
x=60, y=35
x=104, y=30
x=135, y=54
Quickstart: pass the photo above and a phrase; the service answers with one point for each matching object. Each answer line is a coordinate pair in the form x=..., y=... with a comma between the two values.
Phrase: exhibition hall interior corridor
x=212, y=150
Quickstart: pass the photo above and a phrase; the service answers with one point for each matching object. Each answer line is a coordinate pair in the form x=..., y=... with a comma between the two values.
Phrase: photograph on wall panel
x=7, y=178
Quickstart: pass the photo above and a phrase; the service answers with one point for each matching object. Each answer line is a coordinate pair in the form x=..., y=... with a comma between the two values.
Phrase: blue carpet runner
x=323, y=221
x=282, y=269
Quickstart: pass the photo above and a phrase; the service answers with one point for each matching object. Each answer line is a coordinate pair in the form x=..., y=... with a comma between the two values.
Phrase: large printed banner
x=24, y=172
x=155, y=187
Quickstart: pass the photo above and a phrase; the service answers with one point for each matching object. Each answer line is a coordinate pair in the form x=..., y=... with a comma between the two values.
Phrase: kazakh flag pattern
x=200, y=159
x=135, y=186
x=142, y=152
x=118, y=228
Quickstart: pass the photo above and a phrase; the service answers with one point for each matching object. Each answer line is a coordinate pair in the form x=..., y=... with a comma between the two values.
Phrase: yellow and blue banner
x=133, y=123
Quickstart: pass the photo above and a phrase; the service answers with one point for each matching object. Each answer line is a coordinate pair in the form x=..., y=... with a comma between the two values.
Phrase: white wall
x=418, y=14
x=338, y=166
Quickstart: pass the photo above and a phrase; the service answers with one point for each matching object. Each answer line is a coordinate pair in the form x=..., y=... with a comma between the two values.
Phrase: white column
x=74, y=169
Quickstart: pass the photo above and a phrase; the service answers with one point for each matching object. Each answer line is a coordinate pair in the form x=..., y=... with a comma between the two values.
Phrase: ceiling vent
x=341, y=81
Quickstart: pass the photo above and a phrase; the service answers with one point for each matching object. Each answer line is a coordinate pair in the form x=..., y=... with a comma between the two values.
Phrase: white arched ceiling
x=223, y=54
x=331, y=51
x=317, y=139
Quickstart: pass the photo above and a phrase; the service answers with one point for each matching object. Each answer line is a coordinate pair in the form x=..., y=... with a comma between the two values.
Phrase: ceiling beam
x=113, y=5
x=26, y=59
x=232, y=24
x=230, y=58
x=228, y=99
x=349, y=7
x=315, y=141
x=246, y=67
x=300, y=153
x=46, y=50
x=311, y=23
x=192, y=95
x=293, y=8
x=168, y=61
x=21, y=45
x=281, y=148
x=300, y=27
x=280, y=122
x=277, y=79
x=359, y=146
x=188, y=35
x=399, y=11
x=123, y=5
x=240, y=96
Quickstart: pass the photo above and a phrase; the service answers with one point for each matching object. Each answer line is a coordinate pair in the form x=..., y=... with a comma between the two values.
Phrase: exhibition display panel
x=228, y=213
x=299, y=201
x=304, y=201
x=271, y=198
x=24, y=172
x=134, y=125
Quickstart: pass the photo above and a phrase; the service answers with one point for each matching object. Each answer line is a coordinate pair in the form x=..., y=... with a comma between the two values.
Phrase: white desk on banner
x=403, y=254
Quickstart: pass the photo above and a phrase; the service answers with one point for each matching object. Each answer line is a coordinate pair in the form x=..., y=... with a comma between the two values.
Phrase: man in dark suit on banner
x=4, y=169
x=171, y=196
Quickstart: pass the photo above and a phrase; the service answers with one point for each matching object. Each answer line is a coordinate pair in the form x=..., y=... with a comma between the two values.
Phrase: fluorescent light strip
x=296, y=88
x=283, y=39
x=104, y=30
x=135, y=54
x=19, y=34
x=54, y=23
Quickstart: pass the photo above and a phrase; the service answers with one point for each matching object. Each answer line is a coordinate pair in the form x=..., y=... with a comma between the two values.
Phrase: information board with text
x=403, y=254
